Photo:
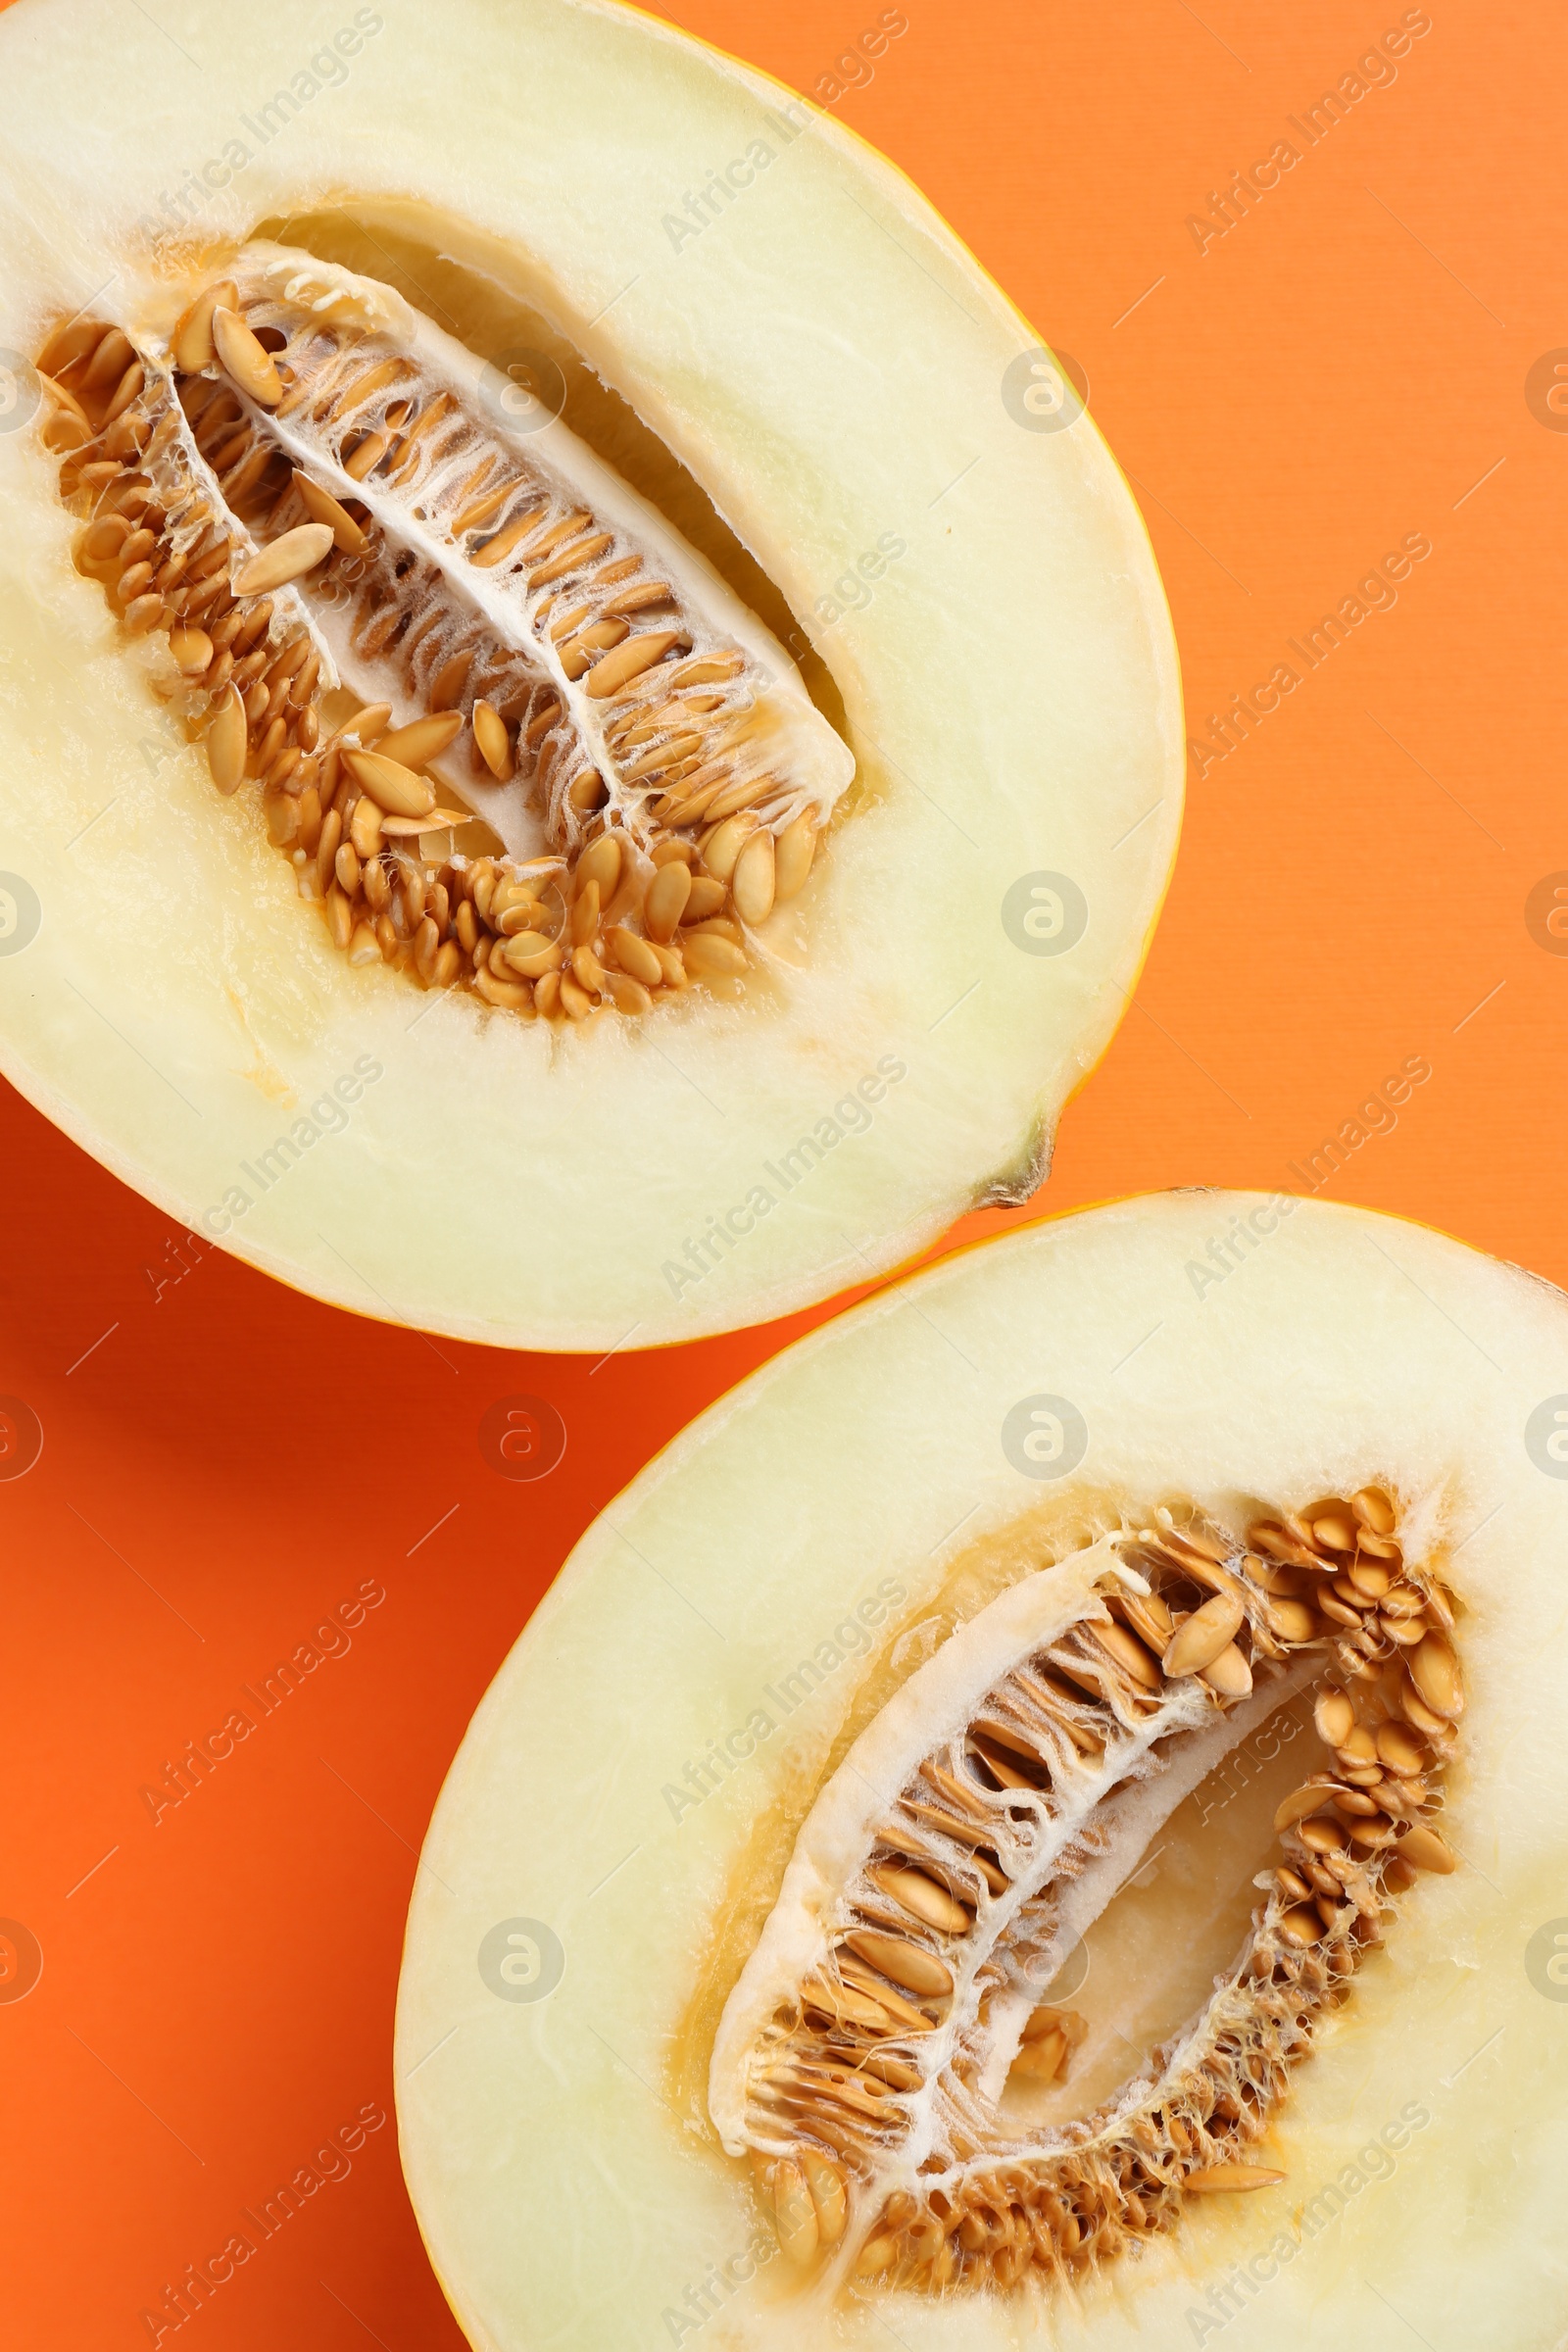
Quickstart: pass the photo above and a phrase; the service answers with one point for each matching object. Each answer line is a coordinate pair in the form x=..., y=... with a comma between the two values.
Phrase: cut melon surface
x=1039, y=1819
x=912, y=634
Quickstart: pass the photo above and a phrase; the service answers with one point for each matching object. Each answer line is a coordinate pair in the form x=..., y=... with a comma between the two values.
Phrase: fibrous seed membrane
x=307, y=489
x=943, y=1876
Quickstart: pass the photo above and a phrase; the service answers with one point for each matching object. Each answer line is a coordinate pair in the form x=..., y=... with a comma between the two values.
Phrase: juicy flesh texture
x=514, y=631
x=988, y=1817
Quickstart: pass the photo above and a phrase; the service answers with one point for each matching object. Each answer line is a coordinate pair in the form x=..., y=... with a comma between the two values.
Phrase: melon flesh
x=823, y=370
x=628, y=1798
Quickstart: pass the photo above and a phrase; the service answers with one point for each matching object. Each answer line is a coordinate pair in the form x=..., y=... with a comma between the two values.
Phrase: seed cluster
x=289, y=497
x=888, y=2052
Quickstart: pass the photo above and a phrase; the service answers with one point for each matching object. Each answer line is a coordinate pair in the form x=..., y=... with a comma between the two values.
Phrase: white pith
x=674, y=719
x=933, y=1707
x=799, y=745
x=191, y=481
x=944, y=2137
x=1131, y=1814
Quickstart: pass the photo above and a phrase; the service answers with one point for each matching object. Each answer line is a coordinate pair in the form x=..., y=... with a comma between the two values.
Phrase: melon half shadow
x=1039, y=1819
x=562, y=783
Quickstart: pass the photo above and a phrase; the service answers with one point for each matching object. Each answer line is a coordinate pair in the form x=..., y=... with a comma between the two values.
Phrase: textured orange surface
x=1342, y=372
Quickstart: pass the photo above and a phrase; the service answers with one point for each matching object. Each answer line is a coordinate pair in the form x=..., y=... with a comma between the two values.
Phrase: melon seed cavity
x=863, y=2055
x=508, y=731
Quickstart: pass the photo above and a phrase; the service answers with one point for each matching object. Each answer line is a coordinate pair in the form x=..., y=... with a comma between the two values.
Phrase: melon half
x=1039, y=1819
x=590, y=741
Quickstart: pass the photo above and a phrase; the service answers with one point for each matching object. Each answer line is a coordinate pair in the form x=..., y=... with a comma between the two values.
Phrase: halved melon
x=594, y=740
x=1039, y=1819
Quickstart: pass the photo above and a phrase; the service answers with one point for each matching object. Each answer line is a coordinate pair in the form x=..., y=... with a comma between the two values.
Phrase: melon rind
x=828, y=361
x=565, y=2170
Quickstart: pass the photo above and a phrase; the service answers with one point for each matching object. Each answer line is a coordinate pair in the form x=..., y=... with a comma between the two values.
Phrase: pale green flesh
x=1010, y=696
x=559, y=2152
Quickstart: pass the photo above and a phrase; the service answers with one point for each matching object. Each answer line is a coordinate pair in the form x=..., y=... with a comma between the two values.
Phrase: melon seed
x=1334, y=1716
x=225, y=743
x=1348, y=1840
x=711, y=957
x=635, y=957
x=924, y=1899
x=1041, y=2061
x=1228, y=2179
x=798, y=2232
x=424, y=739
x=1312, y=1798
x=672, y=726
x=752, y=884
x=296, y=553
x=246, y=359
x=666, y=898
x=1399, y=1750
x=1374, y=1510
x=1199, y=1640
x=907, y=1964
x=1228, y=1674
x=493, y=741
x=1128, y=1652
x=321, y=506
x=1435, y=1672
x=1426, y=1849
x=392, y=785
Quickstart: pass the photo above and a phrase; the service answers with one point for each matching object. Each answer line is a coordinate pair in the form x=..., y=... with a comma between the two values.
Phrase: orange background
x=223, y=1461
